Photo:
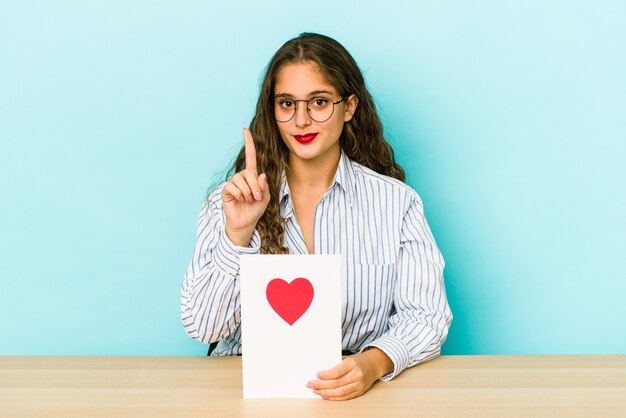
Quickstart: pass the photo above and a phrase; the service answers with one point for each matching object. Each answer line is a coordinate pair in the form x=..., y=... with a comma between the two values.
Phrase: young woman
x=316, y=176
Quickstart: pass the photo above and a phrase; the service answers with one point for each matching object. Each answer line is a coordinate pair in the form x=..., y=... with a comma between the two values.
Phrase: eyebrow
x=313, y=93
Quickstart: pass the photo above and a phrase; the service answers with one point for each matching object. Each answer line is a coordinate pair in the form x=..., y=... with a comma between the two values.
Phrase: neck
x=315, y=174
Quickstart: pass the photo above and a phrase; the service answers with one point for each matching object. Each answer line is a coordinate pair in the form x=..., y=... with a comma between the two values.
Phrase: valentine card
x=290, y=322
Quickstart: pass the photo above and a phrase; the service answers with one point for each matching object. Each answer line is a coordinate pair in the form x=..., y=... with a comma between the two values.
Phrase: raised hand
x=245, y=197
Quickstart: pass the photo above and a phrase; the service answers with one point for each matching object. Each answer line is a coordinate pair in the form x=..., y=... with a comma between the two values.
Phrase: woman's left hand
x=353, y=376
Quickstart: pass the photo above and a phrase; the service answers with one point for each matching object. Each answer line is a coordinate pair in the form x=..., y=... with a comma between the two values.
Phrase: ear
x=351, y=103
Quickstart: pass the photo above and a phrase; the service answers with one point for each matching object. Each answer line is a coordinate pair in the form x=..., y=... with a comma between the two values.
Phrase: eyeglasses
x=320, y=109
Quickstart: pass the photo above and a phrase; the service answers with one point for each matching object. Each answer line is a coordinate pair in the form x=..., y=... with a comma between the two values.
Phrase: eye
x=286, y=104
x=319, y=101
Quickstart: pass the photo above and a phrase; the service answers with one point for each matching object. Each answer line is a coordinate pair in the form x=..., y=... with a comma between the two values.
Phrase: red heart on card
x=290, y=300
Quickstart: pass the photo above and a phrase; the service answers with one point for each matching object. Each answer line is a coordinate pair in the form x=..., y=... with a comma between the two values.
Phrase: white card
x=285, y=340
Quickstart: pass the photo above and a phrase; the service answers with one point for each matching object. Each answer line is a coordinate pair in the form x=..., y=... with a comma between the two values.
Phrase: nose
x=302, y=118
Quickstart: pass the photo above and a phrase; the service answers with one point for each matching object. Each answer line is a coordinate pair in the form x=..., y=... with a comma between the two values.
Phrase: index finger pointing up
x=249, y=150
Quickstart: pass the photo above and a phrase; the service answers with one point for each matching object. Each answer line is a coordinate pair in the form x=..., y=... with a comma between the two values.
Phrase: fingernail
x=258, y=195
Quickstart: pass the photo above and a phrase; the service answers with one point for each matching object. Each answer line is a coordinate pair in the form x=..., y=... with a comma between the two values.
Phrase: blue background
x=115, y=116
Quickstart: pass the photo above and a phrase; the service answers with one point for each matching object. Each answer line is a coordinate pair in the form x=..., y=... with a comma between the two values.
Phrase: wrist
x=380, y=360
x=239, y=237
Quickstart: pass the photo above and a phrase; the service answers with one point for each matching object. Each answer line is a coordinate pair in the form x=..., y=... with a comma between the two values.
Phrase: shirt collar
x=344, y=177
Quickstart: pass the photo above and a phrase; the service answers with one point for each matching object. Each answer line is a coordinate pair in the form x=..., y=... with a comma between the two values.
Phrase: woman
x=315, y=175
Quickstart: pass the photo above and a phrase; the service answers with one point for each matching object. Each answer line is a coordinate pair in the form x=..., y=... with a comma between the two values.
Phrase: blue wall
x=509, y=117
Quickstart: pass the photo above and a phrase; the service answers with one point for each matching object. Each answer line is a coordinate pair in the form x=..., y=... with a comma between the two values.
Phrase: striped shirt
x=393, y=290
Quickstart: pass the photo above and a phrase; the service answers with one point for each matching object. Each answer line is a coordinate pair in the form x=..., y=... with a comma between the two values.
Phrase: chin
x=305, y=155
x=309, y=151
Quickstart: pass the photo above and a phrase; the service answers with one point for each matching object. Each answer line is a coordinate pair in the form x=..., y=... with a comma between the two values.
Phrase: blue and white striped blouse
x=393, y=292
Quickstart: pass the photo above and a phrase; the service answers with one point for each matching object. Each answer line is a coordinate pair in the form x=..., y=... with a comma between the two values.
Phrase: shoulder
x=370, y=179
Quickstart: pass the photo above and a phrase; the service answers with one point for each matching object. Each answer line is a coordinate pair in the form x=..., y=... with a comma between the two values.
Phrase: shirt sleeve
x=210, y=302
x=419, y=325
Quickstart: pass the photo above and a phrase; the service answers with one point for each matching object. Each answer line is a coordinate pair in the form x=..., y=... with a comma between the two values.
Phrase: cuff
x=397, y=352
x=227, y=254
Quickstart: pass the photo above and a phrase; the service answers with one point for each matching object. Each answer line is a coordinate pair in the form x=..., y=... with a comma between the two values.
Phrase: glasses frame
x=308, y=109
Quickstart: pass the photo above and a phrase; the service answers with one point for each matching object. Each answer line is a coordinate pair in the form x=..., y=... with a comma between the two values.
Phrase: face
x=306, y=138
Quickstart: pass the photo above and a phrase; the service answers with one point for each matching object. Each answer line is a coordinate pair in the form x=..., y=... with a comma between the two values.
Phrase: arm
x=210, y=307
x=419, y=326
x=226, y=229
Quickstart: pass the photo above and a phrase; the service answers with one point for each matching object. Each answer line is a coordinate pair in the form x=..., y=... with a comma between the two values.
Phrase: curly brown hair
x=361, y=139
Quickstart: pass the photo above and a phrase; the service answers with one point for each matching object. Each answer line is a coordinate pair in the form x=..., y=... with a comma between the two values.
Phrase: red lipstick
x=305, y=139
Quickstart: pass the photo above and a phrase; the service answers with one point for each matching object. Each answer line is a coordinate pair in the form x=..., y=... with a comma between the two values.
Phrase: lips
x=305, y=139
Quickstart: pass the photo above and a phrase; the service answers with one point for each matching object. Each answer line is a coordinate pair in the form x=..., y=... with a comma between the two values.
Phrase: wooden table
x=449, y=386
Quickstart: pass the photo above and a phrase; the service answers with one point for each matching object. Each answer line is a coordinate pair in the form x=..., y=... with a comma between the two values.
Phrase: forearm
x=210, y=293
x=209, y=305
x=412, y=339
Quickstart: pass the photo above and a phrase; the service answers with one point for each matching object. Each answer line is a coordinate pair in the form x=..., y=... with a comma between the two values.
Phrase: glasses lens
x=284, y=109
x=320, y=108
